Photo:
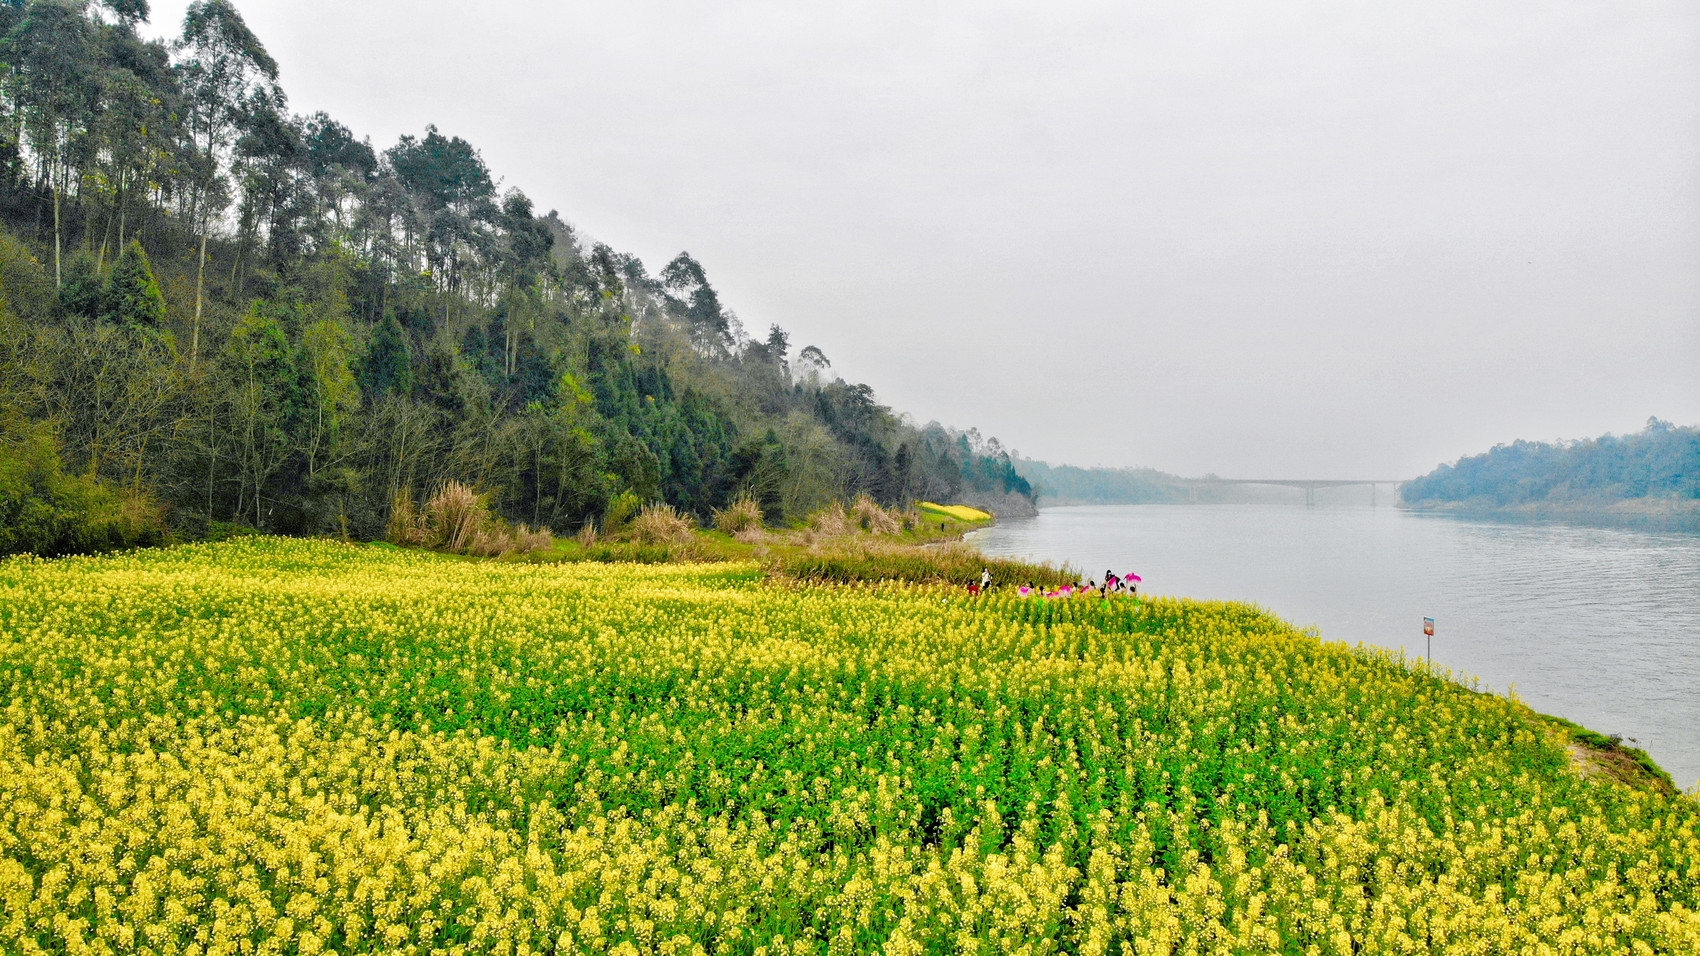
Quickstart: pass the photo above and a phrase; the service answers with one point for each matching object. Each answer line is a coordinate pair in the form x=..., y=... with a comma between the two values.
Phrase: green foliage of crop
x=304, y=746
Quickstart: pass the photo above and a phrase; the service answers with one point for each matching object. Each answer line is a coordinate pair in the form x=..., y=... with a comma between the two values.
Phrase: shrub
x=620, y=511
x=662, y=524
x=741, y=515
x=47, y=512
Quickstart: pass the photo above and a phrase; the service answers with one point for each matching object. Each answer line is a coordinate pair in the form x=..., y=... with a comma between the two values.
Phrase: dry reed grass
x=831, y=520
x=870, y=517
x=739, y=516
x=457, y=519
x=454, y=515
x=519, y=539
x=662, y=524
x=404, y=525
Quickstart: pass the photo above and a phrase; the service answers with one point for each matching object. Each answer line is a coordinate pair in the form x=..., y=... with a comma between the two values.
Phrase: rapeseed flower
x=272, y=745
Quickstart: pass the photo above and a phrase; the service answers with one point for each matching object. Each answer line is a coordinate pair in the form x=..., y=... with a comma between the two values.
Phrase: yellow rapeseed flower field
x=283, y=746
x=959, y=512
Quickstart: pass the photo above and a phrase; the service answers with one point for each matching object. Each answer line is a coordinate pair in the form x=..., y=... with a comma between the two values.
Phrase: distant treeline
x=1069, y=484
x=1662, y=461
x=220, y=312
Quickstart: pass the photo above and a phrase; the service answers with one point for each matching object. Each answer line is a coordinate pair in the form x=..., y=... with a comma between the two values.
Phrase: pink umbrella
x=1133, y=577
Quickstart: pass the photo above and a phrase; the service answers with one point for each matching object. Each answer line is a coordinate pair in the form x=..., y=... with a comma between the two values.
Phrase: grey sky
x=1290, y=239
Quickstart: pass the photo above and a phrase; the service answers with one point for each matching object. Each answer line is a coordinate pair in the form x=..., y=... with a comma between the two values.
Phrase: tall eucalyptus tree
x=227, y=78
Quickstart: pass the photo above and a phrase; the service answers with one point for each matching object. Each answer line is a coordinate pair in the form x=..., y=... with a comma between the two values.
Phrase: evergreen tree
x=132, y=297
x=388, y=368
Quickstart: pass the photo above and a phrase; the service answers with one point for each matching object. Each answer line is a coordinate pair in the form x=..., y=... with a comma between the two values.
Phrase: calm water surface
x=1600, y=626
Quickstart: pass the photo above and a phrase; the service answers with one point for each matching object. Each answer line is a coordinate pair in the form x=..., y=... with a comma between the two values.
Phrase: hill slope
x=1652, y=474
x=257, y=317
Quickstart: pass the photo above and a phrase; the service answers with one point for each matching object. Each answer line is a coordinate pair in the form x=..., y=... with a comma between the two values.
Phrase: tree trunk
x=105, y=236
x=200, y=280
x=58, y=241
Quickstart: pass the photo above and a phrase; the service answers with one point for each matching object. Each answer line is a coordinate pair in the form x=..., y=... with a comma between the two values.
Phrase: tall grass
x=662, y=524
x=870, y=517
x=457, y=519
x=831, y=520
x=739, y=516
x=454, y=515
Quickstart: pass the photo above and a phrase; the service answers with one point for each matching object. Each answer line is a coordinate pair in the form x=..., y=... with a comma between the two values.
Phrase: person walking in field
x=985, y=579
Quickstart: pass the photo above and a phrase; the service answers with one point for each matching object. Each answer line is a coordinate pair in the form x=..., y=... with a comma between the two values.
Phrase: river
x=1597, y=625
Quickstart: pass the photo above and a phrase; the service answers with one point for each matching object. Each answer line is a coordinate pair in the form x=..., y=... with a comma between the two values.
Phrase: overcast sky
x=1297, y=239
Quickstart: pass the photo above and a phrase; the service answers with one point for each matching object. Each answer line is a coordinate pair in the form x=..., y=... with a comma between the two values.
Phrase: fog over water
x=1309, y=239
x=1599, y=626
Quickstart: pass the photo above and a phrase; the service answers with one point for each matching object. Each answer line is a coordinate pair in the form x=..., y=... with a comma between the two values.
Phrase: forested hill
x=257, y=317
x=1073, y=485
x=1659, y=464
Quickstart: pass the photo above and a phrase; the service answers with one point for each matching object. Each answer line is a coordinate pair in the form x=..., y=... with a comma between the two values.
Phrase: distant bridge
x=1308, y=484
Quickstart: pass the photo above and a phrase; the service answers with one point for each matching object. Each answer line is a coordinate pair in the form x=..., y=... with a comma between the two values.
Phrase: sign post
x=1428, y=632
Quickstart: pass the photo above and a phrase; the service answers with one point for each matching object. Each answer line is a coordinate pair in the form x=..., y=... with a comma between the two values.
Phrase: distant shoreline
x=1644, y=514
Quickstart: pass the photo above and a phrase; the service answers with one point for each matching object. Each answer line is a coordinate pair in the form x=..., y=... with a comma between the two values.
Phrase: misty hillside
x=1073, y=485
x=1660, y=462
x=220, y=312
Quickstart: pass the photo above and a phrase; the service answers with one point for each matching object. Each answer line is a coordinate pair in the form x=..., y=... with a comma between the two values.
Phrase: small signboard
x=1428, y=626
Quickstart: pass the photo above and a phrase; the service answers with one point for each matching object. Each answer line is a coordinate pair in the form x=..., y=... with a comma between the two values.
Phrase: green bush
x=620, y=512
x=47, y=512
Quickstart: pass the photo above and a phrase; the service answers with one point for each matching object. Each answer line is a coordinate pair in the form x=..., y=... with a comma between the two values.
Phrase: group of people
x=1113, y=585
